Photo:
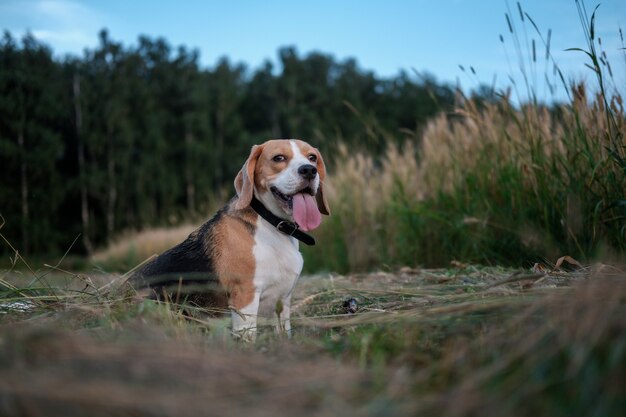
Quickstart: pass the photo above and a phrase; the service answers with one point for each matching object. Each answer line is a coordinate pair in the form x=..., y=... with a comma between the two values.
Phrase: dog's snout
x=307, y=171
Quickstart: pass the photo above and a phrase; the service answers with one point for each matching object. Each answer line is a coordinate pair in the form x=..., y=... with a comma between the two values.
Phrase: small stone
x=350, y=306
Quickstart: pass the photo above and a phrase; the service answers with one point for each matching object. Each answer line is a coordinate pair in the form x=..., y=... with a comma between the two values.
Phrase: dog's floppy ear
x=322, y=204
x=244, y=182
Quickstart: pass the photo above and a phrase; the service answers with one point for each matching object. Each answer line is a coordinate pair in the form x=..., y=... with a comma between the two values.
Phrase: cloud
x=66, y=12
x=66, y=25
x=66, y=36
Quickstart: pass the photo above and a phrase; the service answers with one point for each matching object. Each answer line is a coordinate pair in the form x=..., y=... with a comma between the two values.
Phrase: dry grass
x=465, y=341
x=58, y=373
x=359, y=191
x=132, y=248
x=499, y=135
x=490, y=183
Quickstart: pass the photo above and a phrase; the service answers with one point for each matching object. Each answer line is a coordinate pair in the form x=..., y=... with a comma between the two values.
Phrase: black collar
x=284, y=226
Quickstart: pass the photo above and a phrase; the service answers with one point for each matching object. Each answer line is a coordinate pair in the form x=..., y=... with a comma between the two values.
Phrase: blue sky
x=384, y=36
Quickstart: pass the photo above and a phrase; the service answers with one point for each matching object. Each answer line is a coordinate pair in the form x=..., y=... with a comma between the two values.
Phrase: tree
x=31, y=143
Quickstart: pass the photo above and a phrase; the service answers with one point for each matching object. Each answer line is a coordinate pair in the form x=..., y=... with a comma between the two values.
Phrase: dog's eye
x=279, y=158
x=312, y=158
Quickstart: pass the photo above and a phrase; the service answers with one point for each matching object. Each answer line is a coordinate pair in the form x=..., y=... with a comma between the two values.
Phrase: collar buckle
x=287, y=227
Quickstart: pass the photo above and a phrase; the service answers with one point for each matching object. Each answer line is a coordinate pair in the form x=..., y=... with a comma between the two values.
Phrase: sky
x=434, y=37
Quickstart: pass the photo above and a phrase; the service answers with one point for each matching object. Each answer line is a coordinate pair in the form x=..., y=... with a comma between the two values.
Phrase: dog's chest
x=278, y=261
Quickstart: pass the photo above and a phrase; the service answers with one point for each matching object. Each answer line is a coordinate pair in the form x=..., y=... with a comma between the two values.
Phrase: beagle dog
x=246, y=258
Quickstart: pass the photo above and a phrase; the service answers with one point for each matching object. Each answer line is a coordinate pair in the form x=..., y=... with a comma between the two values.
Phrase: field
x=461, y=341
x=449, y=238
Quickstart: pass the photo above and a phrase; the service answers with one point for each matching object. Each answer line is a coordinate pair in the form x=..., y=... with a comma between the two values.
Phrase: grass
x=464, y=341
x=134, y=248
x=493, y=183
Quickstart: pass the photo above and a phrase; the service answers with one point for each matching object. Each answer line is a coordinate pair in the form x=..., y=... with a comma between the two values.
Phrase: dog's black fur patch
x=187, y=268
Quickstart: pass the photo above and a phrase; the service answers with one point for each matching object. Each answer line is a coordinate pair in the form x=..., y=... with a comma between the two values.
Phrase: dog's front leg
x=244, y=320
x=283, y=314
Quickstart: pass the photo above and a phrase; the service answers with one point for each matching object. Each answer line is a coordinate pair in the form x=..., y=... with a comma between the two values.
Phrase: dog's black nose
x=307, y=171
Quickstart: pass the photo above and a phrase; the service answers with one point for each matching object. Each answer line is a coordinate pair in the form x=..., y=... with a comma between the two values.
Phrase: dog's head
x=287, y=176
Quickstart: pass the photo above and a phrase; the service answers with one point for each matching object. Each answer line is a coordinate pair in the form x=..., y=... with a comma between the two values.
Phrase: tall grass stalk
x=492, y=183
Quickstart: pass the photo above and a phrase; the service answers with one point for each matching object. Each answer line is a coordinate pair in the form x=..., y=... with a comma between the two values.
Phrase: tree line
x=129, y=137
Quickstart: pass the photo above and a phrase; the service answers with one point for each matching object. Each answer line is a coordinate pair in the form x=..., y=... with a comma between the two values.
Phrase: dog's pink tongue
x=305, y=211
